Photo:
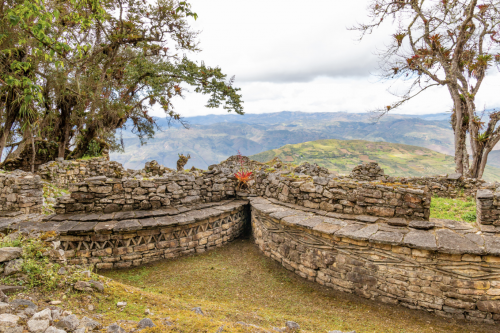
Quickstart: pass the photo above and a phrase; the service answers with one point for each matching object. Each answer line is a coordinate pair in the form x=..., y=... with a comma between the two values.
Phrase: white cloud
x=299, y=56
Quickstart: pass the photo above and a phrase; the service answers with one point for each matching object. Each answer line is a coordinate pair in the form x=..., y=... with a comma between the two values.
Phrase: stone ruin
x=367, y=237
x=367, y=171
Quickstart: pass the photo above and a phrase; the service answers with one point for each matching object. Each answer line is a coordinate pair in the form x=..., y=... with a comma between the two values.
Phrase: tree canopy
x=450, y=43
x=73, y=72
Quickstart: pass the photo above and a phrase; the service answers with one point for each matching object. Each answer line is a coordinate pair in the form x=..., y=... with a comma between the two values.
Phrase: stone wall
x=488, y=210
x=20, y=193
x=102, y=194
x=134, y=238
x=451, y=186
x=446, y=267
x=62, y=173
x=329, y=194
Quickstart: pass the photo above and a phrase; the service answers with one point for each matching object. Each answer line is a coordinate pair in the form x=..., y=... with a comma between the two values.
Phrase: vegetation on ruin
x=443, y=43
x=396, y=159
x=37, y=271
x=458, y=209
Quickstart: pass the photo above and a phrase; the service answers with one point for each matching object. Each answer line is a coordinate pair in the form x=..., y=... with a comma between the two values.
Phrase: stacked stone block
x=62, y=173
x=449, y=269
x=134, y=241
x=20, y=192
x=370, y=171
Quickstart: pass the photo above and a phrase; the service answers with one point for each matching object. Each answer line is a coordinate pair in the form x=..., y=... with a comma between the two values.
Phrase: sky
x=290, y=55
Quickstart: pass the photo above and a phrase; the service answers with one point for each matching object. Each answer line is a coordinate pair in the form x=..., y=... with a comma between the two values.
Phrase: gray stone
x=8, y=322
x=492, y=244
x=451, y=242
x=97, y=285
x=397, y=221
x=385, y=237
x=292, y=326
x=52, y=329
x=484, y=194
x=308, y=187
x=83, y=286
x=38, y=326
x=424, y=225
x=145, y=323
x=90, y=324
x=127, y=225
x=114, y=328
x=10, y=253
x=45, y=314
x=68, y=323
x=23, y=304
x=454, y=176
x=367, y=218
x=420, y=239
x=13, y=266
x=361, y=234
x=198, y=310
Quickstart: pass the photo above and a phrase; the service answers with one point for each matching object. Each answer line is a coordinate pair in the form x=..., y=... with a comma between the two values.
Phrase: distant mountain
x=396, y=159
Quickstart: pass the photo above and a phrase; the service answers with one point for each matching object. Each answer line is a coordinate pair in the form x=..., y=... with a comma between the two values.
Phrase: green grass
x=454, y=209
x=238, y=283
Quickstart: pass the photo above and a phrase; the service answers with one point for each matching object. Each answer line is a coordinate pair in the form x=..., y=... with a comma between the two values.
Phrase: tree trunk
x=457, y=123
x=65, y=105
x=10, y=117
x=82, y=146
x=33, y=151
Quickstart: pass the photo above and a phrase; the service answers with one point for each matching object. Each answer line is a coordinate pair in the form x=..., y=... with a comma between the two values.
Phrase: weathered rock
x=145, y=323
x=420, y=239
x=52, y=329
x=38, y=326
x=198, y=310
x=489, y=306
x=308, y=187
x=420, y=224
x=23, y=304
x=8, y=322
x=13, y=266
x=89, y=324
x=68, y=323
x=10, y=253
x=97, y=285
x=45, y=314
x=83, y=286
x=292, y=326
x=115, y=328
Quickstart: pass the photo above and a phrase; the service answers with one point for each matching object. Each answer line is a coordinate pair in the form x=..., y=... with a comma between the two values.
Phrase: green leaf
x=14, y=19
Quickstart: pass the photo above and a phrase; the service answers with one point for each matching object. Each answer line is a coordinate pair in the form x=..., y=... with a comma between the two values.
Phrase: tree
x=127, y=59
x=448, y=43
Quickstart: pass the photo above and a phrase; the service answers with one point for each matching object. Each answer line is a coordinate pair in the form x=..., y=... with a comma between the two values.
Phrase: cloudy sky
x=299, y=56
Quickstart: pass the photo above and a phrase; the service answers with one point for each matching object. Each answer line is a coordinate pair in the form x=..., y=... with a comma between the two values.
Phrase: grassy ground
x=454, y=209
x=237, y=283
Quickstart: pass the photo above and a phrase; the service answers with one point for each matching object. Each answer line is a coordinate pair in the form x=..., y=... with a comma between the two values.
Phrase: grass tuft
x=454, y=209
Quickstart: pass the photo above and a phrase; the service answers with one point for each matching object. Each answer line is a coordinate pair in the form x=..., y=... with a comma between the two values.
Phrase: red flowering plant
x=243, y=176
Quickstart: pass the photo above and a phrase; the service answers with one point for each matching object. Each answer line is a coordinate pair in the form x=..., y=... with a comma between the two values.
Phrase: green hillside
x=396, y=159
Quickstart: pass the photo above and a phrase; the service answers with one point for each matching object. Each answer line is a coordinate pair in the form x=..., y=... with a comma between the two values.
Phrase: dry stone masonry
x=21, y=192
x=125, y=239
x=368, y=234
x=65, y=172
x=367, y=171
x=441, y=266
